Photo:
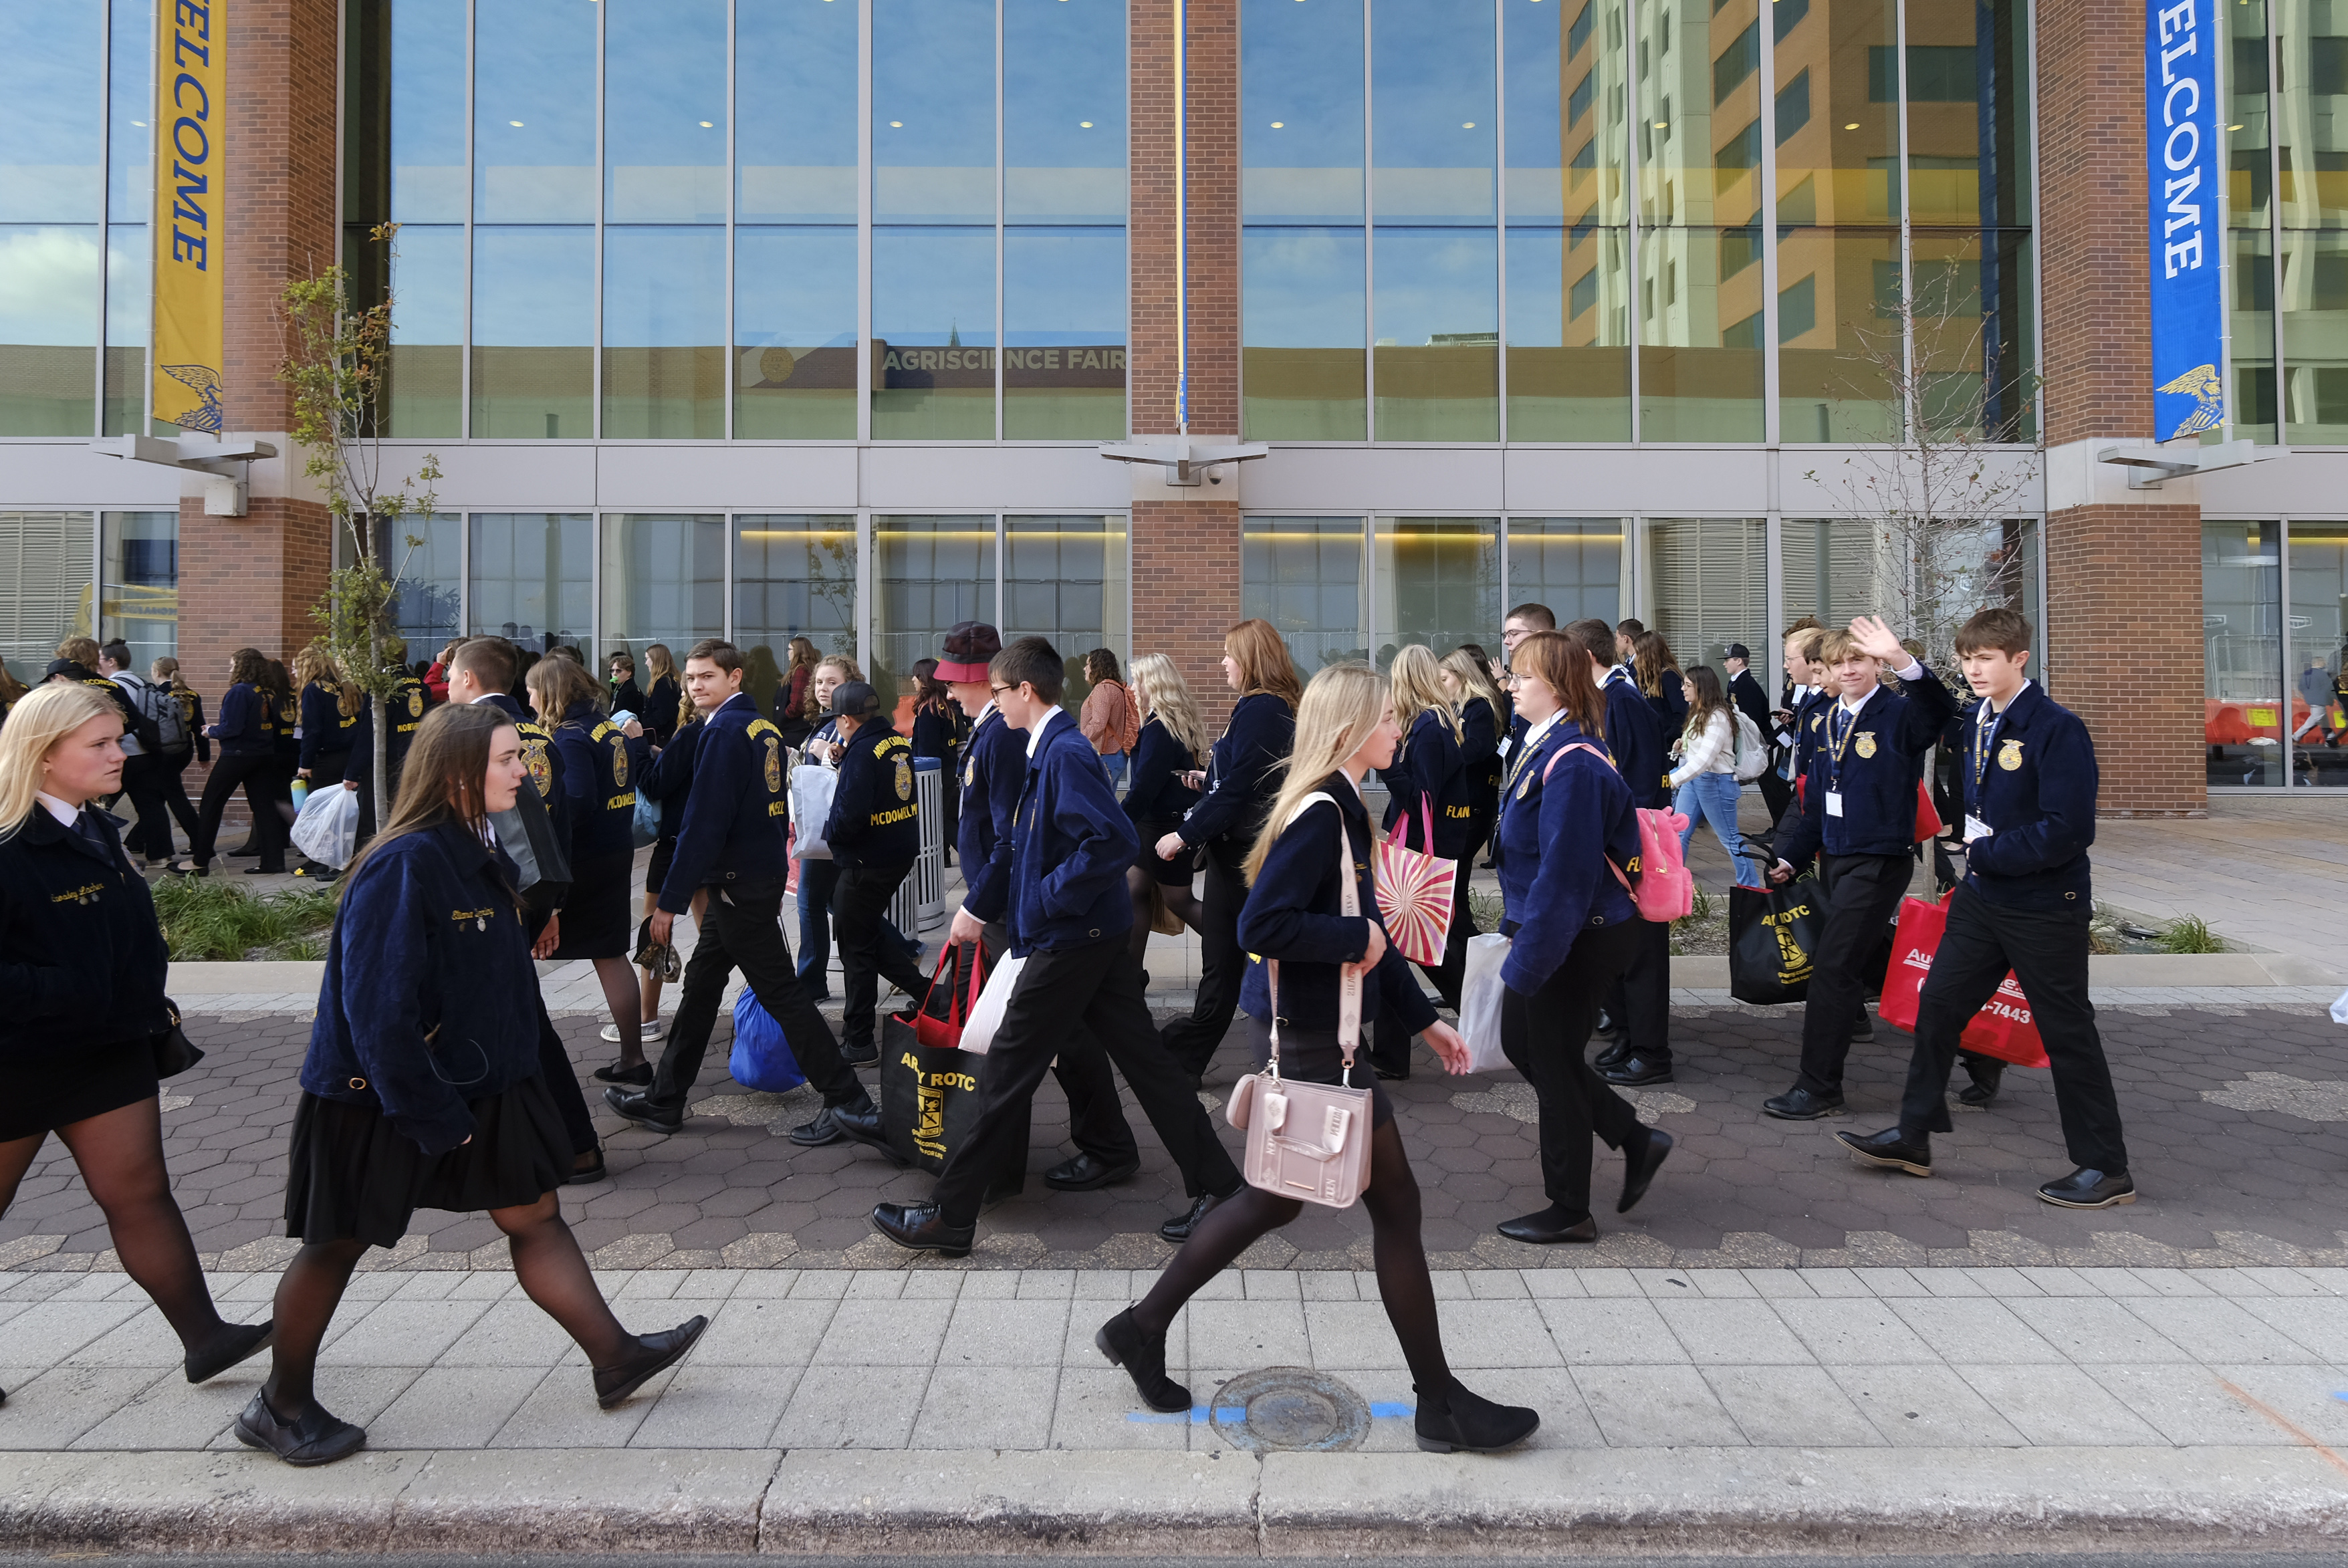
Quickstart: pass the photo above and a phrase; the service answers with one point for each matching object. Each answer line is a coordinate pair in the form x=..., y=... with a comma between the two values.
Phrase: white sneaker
x=652, y=1030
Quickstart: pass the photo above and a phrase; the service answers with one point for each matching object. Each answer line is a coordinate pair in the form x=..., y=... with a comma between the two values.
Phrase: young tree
x=338, y=356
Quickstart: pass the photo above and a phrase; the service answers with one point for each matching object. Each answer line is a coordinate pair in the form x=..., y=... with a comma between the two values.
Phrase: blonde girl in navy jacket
x=421, y=1088
x=1429, y=779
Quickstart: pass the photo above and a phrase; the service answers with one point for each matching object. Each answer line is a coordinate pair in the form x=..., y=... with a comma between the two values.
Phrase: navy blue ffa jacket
x=326, y=731
x=547, y=774
x=429, y=999
x=1870, y=760
x=244, y=727
x=872, y=818
x=1429, y=768
x=735, y=818
x=1568, y=815
x=1295, y=913
x=2030, y=773
x=938, y=734
x=661, y=708
x=1071, y=844
x=1241, y=781
x=1634, y=737
x=1152, y=792
x=1672, y=705
x=285, y=743
x=1479, y=754
x=597, y=767
x=406, y=706
x=81, y=956
x=994, y=773
x=669, y=779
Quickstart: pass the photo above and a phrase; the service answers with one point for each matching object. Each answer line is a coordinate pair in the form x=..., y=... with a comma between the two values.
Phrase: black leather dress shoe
x=2087, y=1188
x=654, y=1354
x=639, y=1076
x=1549, y=1226
x=858, y=1052
x=1892, y=1149
x=1612, y=1056
x=1639, y=1168
x=1987, y=1073
x=1084, y=1173
x=861, y=1124
x=588, y=1175
x=312, y=1438
x=921, y=1228
x=1460, y=1422
x=1863, y=1026
x=1143, y=1356
x=633, y=1107
x=1178, y=1229
x=1634, y=1070
x=236, y=1342
x=1801, y=1105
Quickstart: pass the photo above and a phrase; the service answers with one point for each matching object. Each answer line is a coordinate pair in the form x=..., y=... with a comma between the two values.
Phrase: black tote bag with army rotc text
x=1771, y=932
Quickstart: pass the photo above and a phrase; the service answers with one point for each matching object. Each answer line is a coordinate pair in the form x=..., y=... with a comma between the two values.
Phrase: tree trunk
x=379, y=764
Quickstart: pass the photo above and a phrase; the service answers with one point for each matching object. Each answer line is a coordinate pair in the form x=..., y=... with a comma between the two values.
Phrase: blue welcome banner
x=2182, y=123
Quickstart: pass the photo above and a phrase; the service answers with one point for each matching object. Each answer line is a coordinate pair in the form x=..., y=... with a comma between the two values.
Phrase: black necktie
x=87, y=826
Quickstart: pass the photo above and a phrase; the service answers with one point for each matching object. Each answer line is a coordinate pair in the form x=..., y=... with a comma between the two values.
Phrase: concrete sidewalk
x=928, y=1409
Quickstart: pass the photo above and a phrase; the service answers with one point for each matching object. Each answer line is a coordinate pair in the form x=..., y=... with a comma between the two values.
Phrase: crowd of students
x=435, y=1078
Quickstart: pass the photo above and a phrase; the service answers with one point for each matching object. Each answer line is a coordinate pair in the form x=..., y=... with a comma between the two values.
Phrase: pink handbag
x=1310, y=1141
x=1414, y=888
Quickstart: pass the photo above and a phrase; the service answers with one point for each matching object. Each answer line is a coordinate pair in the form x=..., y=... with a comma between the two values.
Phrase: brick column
x=2123, y=575
x=1186, y=551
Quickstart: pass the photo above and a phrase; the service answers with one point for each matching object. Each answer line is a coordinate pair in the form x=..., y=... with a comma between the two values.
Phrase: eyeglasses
x=998, y=691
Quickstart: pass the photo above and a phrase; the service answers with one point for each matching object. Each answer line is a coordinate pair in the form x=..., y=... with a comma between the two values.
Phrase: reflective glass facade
x=2276, y=709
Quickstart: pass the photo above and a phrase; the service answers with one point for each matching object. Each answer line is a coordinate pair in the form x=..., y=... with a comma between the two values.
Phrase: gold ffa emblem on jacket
x=533, y=757
x=904, y=778
x=1866, y=742
x=415, y=701
x=619, y=761
x=774, y=766
x=2009, y=755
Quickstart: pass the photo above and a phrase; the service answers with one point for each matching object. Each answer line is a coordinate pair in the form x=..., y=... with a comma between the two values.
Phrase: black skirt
x=597, y=918
x=656, y=869
x=1174, y=873
x=1311, y=1056
x=351, y=1176
x=77, y=1082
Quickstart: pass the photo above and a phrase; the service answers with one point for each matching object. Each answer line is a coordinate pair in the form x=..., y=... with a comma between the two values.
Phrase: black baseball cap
x=854, y=700
x=1738, y=651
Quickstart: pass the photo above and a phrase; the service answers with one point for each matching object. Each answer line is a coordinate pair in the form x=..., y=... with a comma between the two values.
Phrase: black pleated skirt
x=76, y=1083
x=1175, y=873
x=597, y=914
x=350, y=1176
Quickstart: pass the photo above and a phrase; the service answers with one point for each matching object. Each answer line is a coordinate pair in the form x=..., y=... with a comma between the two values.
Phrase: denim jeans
x=818, y=881
x=1712, y=797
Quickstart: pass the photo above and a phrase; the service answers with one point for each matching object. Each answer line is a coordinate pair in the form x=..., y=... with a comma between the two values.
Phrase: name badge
x=1834, y=803
x=1506, y=742
x=1975, y=828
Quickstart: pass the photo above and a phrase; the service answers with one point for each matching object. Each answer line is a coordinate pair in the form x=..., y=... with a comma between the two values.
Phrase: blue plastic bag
x=648, y=825
x=762, y=1058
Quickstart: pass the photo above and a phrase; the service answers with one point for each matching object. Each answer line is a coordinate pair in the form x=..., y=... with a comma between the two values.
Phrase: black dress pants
x=172, y=778
x=1776, y=792
x=1097, y=1124
x=1543, y=1036
x=1640, y=1001
x=1859, y=894
x=142, y=781
x=741, y=928
x=1192, y=1041
x=2047, y=952
x=256, y=772
x=1099, y=986
x=869, y=949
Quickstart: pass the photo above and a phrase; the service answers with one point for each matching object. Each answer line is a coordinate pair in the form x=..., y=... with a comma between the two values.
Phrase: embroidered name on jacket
x=477, y=919
x=88, y=894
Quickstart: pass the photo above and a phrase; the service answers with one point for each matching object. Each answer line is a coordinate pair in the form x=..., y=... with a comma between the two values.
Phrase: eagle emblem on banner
x=2202, y=384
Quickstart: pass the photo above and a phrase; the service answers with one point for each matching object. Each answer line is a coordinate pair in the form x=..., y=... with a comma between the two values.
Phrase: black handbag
x=1771, y=932
x=541, y=865
x=174, y=1051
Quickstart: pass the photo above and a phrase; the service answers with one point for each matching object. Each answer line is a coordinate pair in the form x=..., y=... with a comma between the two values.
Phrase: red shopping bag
x=1928, y=820
x=2002, y=1028
x=790, y=843
x=944, y=1029
x=1415, y=889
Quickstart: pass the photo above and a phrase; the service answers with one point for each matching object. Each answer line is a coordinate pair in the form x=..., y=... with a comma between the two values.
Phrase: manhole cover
x=1290, y=1409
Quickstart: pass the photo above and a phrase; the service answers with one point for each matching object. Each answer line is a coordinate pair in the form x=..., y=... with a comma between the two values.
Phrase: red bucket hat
x=970, y=647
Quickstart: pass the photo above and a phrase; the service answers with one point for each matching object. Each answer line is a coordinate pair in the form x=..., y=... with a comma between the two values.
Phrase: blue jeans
x=818, y=879
x=1712, y=798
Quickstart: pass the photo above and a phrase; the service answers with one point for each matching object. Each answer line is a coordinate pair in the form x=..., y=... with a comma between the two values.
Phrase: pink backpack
x=1665, y=890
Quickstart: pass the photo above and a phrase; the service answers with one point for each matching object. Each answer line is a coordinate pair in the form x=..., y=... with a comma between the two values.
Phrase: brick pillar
x=2122, y=568
x=1186, y=551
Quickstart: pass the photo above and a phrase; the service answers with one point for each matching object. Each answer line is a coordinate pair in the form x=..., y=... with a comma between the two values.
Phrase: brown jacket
x=1111, y=719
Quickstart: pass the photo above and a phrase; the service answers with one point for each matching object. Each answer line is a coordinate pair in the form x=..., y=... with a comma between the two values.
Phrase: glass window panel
x=1064, y=121
x=795, y=74
x=52, y=89
x=2252, y=394
x=1705, y=585
x=1301, y=366
x=130, y=264
x=663, y=330
x=427, y=605
x=1437, y=334
x=1840, y=360
x=45, y=586
x=1841, y=166
x=793, y=577
x=1699, y=97
x=1968, y=114
x=2241, y=636
x=533, y=331
x=1832, y=569
x=49, y=328
x=1433, y=140
x=664, y=581
x=795, y=334
x=424, y=392
x=1064, y=314
x=2248, y=144
x=1064, y=579
x=2312, y=55
x=1300, y=111
x=428, y=111
x=1574, y=565
x=1700, y=342
x=131, y=102
x=933, y=322
x=534, y=111
x=1973, y=333
x=934, y=132
x=928, y=574
x=2318, y=595
x=1305, y=576
x=1568, y=331
x=665, y=111
x=2315, y=336
x=1568, y=147
x=1438, y=582
x=533, y=578
x=138, y=593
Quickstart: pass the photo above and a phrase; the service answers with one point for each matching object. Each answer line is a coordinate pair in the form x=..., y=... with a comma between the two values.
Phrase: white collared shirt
x=1533, y=735
x=67, y=815
x=1035, y=734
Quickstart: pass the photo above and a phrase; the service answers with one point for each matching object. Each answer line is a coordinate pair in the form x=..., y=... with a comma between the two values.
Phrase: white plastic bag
x=1481, y=990
x=328, y=830
x=811, y=789
x=2340, y=1008
x=978, y=1030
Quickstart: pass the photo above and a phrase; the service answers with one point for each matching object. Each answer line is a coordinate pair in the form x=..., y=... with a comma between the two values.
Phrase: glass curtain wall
x=1576, y=566
x=928, y=574
x=2311, y=94
x=2318, y=653
x=1703, y=584
x=431, y=593
x=1436, y=581
x=139, y=588
x=664, y=581
x=2251, y=219
x=2272, y=597
x=794, y=575
x=533, y=578
x=46, y=589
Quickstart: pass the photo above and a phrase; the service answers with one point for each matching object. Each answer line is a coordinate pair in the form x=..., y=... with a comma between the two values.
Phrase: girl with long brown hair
x=1703, y=784
x=246, y=731
x=1173, y=744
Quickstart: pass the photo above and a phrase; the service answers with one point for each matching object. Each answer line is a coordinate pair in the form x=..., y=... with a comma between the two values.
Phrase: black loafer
x=858, y=1052
x=639, y=1076
x=1634, y=1070
x=235, y=1343
x=1614, y=1055
x=312, y=1438
x=1178, y=1229
x=654, y=1354
x=1801, y=1105
x=1890, y=1149
x=1143, y=1356
x=817, y=1133
x=863, y=1125
x=1549, y=1227
x=921, y=1228
x=1863, y=1026
x=588, y=1175
x=1084, y=1174
x=1987, y=1073
x=1639, y=1170
x=2087, y=1188
x=635, y=1107
x=1469, y=1423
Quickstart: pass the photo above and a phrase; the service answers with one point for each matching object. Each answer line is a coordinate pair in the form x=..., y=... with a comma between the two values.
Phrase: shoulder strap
x=1349, y=985
x=1594, y=750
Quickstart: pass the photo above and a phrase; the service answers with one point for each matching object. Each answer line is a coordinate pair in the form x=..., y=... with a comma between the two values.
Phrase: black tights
x=1138, y=880
x=120, y=1154
x=624, y=997
x=547, y=1261
x=1234, y=1225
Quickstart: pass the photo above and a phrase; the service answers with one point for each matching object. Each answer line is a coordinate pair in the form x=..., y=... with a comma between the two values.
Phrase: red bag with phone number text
x=2002, y=1028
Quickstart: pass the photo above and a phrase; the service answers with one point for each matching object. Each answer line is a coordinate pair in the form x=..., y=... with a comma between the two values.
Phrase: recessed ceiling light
x=896, y=125
x=2233, y=127
x=1663, y=125
x=1279, y=124
x=706, y=125
x=1852, y=126
x=1082, y=124
x=514, y=123
x=1467, y=125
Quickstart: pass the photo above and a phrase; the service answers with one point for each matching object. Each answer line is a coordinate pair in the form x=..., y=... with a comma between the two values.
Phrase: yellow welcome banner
x=190, y=162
